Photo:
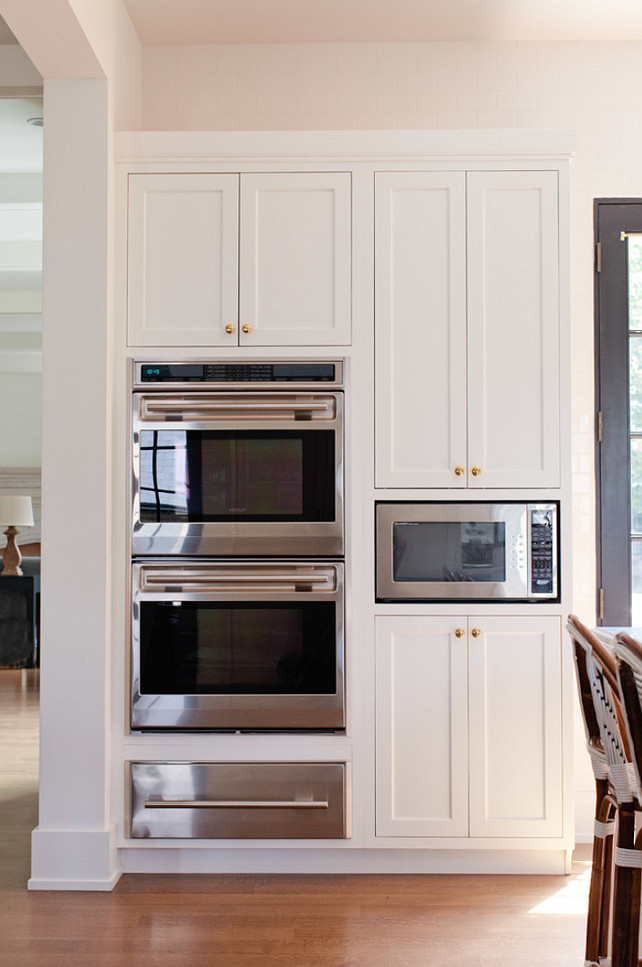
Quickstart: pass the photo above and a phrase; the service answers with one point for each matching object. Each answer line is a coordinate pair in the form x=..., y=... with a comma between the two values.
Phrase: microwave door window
x=202, y=476
x=204, y=648
x=440, y=551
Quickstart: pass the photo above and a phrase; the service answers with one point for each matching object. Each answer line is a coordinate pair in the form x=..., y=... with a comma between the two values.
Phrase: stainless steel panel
x=516, y=587
x=240, y=800
x=238, y=580
x=235, y=364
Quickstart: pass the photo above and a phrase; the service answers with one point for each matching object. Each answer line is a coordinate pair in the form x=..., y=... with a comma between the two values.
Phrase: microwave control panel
x=542, y=552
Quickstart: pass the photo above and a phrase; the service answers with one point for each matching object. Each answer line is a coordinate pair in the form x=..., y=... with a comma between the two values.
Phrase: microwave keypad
x=541, y=553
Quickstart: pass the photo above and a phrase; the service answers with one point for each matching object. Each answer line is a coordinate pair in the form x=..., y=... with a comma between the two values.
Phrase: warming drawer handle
x=234, y=804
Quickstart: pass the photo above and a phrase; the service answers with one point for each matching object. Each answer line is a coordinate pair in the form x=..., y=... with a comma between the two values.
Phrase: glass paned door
x=618, y=224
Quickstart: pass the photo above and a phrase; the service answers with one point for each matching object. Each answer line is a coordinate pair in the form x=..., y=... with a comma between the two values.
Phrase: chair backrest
x=606, y=722
x=628, y=655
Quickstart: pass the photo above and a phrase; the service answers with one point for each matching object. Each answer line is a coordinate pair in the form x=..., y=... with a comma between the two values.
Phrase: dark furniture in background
x=20, y=617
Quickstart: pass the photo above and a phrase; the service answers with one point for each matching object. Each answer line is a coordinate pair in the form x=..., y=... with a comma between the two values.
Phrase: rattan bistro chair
x=616, y=799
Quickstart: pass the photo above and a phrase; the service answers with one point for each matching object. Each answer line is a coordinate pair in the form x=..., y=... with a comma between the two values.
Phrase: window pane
x=636, y=486
x=635, y=369
x=636, y=583
x=634, y=248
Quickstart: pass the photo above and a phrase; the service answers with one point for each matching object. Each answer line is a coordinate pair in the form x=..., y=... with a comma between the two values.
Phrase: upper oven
x=234, y=459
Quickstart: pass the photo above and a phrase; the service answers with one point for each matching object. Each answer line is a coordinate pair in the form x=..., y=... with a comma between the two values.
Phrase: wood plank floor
x=247, y=921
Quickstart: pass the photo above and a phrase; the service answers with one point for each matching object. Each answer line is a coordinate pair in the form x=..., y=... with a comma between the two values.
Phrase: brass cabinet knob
x=460, y=471
x=476, y=632
x=246, y=328
x=230, y=329
x=476, y=471
x=459, y=633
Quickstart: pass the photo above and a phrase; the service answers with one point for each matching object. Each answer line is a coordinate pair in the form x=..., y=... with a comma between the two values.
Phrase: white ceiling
x=20, y=142
x=299, y=21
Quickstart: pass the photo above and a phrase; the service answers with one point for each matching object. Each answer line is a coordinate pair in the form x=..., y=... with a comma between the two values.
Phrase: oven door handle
x=235, y=804
x=161, y=406
x=229, y=581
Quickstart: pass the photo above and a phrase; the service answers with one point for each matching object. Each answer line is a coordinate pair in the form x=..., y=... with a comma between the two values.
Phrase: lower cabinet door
x=515, y=726
x=422, y=727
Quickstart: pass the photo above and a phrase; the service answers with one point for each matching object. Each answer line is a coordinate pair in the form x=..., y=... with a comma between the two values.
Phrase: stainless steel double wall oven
x=237, y=546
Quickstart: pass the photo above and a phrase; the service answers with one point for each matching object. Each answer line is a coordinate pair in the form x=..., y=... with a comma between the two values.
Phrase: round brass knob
x=476, y=471
x=459, y=633
x=476, y=632
x=460, y=471
x=246, y=328
x=230, y=329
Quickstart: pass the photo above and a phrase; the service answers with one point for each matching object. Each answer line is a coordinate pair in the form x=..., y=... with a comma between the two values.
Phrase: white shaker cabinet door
x=515, y=726
x=422, y=727
x=182, y=276
x=513, y=329
x=295, y=262
x=420, y=318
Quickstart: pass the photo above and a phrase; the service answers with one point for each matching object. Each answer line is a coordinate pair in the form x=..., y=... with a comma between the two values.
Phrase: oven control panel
x=211, y=373
x=543, y=541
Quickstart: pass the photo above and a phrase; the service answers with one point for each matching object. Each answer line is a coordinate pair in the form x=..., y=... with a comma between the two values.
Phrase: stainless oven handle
x=234, y=804
x=164, y=406
x=236, y=582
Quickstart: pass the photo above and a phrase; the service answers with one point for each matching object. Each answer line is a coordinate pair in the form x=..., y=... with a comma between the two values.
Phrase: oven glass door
x=240, y=475
x=244, y=474
x=237, y=646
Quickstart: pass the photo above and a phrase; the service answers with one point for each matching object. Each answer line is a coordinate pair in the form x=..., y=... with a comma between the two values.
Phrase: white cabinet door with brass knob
x=467, y=329
x=277, y=274
x=469, y=726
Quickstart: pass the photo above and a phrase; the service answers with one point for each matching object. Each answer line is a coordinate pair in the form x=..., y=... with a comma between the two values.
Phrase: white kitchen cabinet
x=249, y=259
x=469, y=728
x=467, y=328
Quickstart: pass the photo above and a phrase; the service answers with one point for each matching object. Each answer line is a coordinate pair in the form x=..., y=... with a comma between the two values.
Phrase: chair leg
x=626, y=901
x=599, y=908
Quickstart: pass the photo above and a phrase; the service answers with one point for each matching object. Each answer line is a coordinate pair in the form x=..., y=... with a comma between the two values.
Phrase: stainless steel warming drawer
x=247, y=800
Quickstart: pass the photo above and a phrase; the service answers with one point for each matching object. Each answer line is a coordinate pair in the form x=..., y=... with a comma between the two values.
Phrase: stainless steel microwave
x=467, y=551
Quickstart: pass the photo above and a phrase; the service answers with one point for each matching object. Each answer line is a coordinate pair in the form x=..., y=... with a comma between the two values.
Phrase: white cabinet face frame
x=515, y=726
x=182, y=272
x=513, y=329
x=422, y=727
x=290, y=283
x=420, y=320
x=295, y=259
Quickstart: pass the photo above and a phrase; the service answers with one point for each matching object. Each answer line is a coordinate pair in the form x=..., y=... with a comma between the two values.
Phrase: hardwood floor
x=247, y=921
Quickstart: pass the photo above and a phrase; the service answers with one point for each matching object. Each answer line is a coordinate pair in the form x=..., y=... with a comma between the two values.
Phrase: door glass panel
x=634, y=268
x=634, y=255
x=257, y=475
x=262, y=648
x=636, y=583
x=449, y=551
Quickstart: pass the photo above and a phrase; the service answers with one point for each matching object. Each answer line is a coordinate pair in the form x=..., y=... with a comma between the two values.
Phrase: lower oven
x=237, y=645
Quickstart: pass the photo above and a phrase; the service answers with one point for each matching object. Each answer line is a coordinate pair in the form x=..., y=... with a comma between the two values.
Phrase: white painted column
x=73, y=844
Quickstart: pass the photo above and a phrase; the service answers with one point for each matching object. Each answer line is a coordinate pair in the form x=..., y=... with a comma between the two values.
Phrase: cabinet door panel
x=420, y=309
x=515, y=727
x=182, y=259
x=422, y=782
x=296, y=259
x=513, y=329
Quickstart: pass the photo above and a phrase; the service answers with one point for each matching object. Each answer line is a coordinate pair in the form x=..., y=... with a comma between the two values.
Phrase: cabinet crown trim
x=182, y=146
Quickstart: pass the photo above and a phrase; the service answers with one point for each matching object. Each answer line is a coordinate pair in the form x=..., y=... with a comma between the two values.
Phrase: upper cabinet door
x=513, y=329
x=420, y=318
x=295, y=263
x=183, y=260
